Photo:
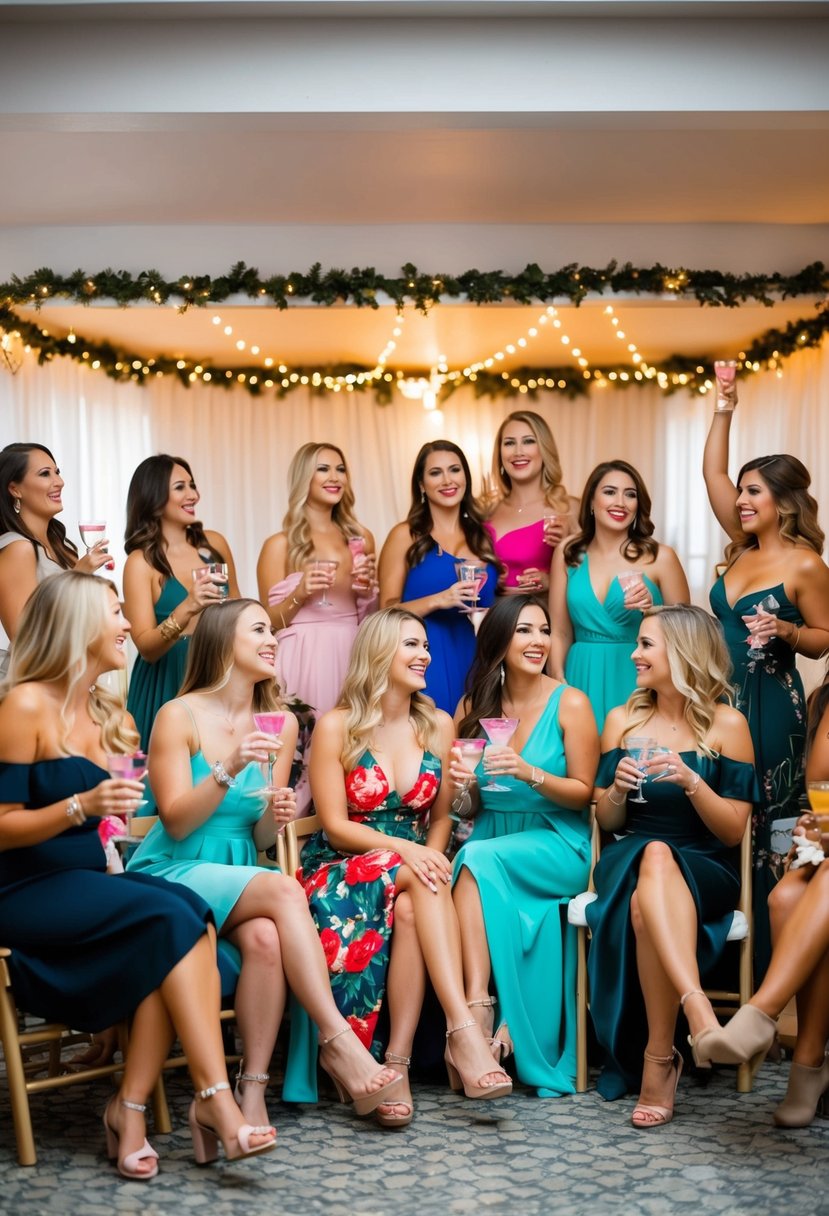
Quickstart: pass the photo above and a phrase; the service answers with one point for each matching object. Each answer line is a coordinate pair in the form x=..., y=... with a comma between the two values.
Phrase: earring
x=503, y=471
x=17, y=506
x=503, y=673
x=422, y=495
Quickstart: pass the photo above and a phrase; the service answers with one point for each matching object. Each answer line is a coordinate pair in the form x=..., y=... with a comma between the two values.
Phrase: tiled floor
x=574, y=1156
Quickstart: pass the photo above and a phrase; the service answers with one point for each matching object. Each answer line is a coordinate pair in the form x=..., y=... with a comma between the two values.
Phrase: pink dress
x=521, y=549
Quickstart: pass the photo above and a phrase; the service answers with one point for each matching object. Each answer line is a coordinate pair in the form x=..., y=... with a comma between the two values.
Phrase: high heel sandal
x=126, y=1168
x=500, y=1042
x=261, y=1078
x=206, y=1139
x=745, y=1039
x=395, y=1121
x=366, y=1103
x=661, y=1114
x=805, y=1093
x=500, y=1089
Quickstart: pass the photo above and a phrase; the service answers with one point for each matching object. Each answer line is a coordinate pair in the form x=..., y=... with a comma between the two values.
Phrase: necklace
x=531, y=503
x=220, y=713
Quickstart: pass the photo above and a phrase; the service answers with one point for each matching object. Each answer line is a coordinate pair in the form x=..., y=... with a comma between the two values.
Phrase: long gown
x=449, y=631
x=521, y=549
x=352, y=898
x=711, y=870
x=769, y=691
x=528, y=856
x=87, y=946
x=154, y=684
x=604, y=637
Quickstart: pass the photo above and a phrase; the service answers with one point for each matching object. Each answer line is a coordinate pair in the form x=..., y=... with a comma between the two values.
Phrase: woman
x=315, y=637
x=418, y=566
x=799, y=911
x=376, y=768
x=533, y=510
x=164, y=596
x=209, y=791
x=88, y=948
x=668, y=886
x=530, y=846
x=595, y=617
x=33, y=541
x=771, y=521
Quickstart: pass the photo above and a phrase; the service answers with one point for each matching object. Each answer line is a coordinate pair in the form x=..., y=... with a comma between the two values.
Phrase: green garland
x=361, y=288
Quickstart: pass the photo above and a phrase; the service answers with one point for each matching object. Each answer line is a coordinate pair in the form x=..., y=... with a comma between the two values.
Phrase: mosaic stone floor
x=575, y=1156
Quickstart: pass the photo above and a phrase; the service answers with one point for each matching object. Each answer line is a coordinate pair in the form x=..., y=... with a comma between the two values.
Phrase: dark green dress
x=711, y=870
x=154, y=684
x=769, y=692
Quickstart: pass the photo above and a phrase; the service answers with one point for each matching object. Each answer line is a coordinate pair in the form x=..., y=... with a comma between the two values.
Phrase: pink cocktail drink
x=499, y=731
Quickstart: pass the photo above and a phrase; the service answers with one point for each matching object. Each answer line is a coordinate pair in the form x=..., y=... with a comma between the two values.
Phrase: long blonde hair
x=367, y=679
x=555, y=495
x=295, y=524
x=210, y=655
x=61, y=621
x=700, y=669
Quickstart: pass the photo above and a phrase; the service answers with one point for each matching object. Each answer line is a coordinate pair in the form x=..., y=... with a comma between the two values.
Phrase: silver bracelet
x=690, y=793
x=222, y=776
x=75, y=812
x=613, y=800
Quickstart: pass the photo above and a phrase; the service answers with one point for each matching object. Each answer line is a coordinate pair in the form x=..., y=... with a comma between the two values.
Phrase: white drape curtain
x=240, y=447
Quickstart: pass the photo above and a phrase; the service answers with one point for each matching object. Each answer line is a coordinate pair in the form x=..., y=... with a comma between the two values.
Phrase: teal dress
x=769, y=691
x=604, y=637
x=528, y=857
x=711, y=870
x=154, y=684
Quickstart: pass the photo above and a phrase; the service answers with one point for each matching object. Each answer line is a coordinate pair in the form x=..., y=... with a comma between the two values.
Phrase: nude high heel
x=261, y=1078
x=807, y=1086
x=745, y=1039
x=206, y=1139
x=396, y=1121
x=366, y=1103
x=500, y=1089
x=500, y=1042
x=661, y=1114
x=126, y=1168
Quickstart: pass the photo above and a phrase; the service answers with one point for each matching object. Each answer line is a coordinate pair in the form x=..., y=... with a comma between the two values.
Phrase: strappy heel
x=500, y=1042
x=500, y=1089
x=365, y=1104
x=260, y=1078
x=206, y=1139
x=661, y=1114
x=126, y=1167
x=396, y=1121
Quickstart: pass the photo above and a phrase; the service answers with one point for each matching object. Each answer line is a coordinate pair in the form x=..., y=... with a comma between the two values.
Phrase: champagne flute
x=91, y=533
x=767, y=604
x=499, y=731
x=133, y=768
x=725, y=372
x=639, y=749
x=471, y=751
x=329, y=566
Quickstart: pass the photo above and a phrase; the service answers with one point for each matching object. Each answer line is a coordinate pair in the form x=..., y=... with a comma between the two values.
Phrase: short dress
x=154, y=684
x=87, y=946
x=521, y=549
x=528, y=857
x=711, y=870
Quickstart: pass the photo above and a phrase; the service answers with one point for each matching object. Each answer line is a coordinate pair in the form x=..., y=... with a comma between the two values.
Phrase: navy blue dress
x=449, y=631
x=87, y=946
x=711, y=870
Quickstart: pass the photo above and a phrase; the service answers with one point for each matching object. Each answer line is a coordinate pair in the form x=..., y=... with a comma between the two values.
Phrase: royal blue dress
x=87, y=946
x=711, y=870
x=449, y=631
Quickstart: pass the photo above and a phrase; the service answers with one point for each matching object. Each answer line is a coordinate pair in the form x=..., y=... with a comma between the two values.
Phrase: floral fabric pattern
x=352, y=898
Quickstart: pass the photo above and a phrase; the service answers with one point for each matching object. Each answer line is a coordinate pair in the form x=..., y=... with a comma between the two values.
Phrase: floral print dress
x=352, y=898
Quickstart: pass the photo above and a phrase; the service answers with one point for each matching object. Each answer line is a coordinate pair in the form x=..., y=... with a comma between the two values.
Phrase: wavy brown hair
x=147, y=496
x=14, y=464
x=639, y=539
x=210, y=655
x=419, y=518
x=483, y=698
x=555, y=494
x=295, y=524
x=788, y=480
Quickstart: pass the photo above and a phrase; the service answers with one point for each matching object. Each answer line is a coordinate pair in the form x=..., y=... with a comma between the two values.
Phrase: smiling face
x=755, y=503
x=183, y=498
x=254, y=644
x=108, y=652
x=615, y=501
x=39, y=491
x=443, y=480
x=650, y=658
x=520, y=452
x=408, y=667
x=328, y=479
x=529, y=646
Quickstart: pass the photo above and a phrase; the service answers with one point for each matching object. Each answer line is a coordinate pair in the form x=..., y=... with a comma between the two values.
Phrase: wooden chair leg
x=161, y=1111
x=581, y=1013
x=745, y=1076
x=16, y=1077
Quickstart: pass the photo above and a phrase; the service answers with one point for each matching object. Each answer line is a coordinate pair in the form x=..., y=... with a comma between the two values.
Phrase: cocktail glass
x=132, y=768
x=329, y=565
x=91, y=533
x=640, y=749
x=499, y=731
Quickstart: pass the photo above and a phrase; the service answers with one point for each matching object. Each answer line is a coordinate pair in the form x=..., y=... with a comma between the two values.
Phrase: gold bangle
x=690, y=793
x=613, y=800
x=796, y=641
x=295, y=603
x=74, y=811
x=170, y=629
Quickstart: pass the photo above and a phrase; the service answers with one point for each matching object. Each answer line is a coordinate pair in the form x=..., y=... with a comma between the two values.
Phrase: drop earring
x=503, y=673
x=17, y=506
x=422, y=495
x=503, y=471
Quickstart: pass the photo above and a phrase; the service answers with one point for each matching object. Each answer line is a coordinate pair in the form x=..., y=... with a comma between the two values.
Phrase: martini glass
x=725, y=372
x=91, y=533
x=475, y=573
x=640, y=749
x=499, y=731
x=131, y=768
x=471, y=751
x=329, y=565
x=270, y=724
x=629, y=579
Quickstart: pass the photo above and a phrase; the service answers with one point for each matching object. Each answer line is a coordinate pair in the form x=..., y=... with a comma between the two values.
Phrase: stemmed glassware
x=91, y=532
x=475, y=573
x=471, y=751
x=130, y=768
x=725, y=373
x=270, y=724
x=499, y=731
x=767, y=604
x=329, y=566
x=640, y=749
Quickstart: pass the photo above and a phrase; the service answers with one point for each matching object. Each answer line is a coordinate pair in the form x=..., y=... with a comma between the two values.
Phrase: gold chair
x=724, y=1001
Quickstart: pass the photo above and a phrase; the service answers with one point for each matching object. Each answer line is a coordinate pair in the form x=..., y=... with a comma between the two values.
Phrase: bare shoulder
x=808, y=564
x=400, y=536
x=275, y=545
x=732, y=734
x=573, y=700
x=330, y=729
x=18, y=558
x=217, y=541
x=446, y=727
x=25, y=712
x=614, y=725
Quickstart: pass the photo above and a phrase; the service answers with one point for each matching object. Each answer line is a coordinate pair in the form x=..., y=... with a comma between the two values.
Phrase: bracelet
x=796, y=638
x=295, y=603
x=74, y=811
x=536, y=779
x=690, y=793
x=170, y=629
x=222, y=776
x=613, y=800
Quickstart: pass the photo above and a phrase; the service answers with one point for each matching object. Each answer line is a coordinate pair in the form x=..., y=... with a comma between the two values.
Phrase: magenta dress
x=521, y=549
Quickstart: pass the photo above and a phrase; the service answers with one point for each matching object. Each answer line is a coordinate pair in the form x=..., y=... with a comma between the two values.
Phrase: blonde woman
x=377, y=877
x=668, y=885
x=88, y=948
x=533, y=510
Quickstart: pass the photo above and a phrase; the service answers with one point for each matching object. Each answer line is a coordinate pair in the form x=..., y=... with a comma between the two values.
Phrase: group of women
x=390, y=899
